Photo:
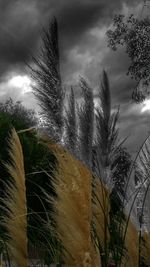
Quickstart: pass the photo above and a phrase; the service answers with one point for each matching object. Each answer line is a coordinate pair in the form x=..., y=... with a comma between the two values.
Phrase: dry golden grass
x=101, y=209
x=132, y=244
x=73, y=186
x=15, y=220
x=76, y=206
x=75, y=210
x=145, y=250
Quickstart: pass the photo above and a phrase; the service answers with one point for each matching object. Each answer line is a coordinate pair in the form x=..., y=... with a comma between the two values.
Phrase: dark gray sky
x=83, y=49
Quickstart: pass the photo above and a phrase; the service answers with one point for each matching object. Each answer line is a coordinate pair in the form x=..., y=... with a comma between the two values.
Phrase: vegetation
x=134, y=34
x=71, y=124
x=86, y=124
x=70, y=203
x=48, y=88
x=15, y=216
x=37, y=161
x=74, y=219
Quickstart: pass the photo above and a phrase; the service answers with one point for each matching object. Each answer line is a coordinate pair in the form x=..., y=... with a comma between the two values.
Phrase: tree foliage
x=134, y=34
x=16, y=111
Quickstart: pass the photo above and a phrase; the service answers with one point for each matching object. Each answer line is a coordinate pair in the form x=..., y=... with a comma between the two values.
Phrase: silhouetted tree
x=134, y=34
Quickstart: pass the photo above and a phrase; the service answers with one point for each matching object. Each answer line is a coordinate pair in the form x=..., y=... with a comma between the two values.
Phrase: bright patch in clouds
x=22, y=82
x=146, y=105
x=19, y=88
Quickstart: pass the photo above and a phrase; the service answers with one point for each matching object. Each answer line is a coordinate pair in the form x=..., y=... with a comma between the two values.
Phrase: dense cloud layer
x=21, y=22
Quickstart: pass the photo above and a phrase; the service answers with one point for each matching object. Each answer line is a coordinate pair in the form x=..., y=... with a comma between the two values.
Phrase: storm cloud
x=21, y=22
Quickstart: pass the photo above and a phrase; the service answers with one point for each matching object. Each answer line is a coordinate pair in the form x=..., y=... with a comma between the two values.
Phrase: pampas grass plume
x=14, y=219
x=73, y=187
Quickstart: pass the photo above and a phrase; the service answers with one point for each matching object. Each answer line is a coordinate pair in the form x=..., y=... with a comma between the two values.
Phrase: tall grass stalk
x=48, y=86
x=14, y=220
x=106, y=134
x=132, y=238
x=86, y=124
x=100, y=214
x=71, y=124
x=73, y=211
x=145, y=248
